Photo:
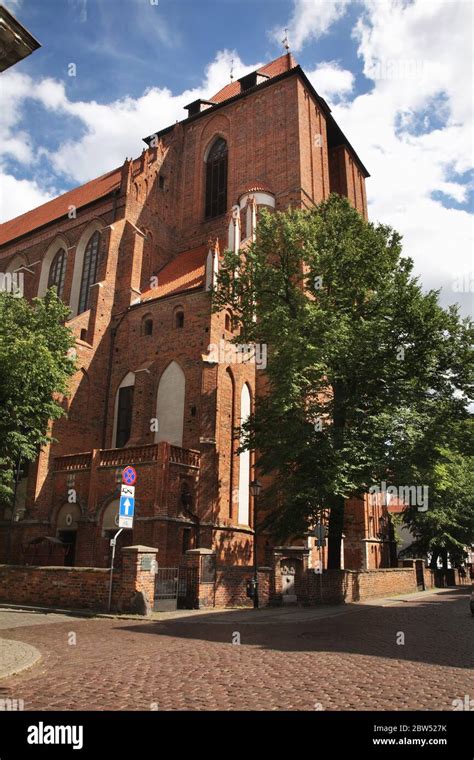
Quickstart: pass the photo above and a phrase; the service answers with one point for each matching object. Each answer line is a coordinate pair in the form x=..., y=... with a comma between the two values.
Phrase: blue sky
x=395, y=72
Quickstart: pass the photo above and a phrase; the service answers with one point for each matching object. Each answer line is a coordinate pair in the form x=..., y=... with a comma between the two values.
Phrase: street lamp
x=255, y=488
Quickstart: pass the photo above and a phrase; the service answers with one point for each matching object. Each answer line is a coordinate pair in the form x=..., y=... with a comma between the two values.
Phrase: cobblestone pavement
x=350, y=661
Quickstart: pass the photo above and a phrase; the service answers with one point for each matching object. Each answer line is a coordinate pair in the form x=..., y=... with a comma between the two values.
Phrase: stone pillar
x=136, y=581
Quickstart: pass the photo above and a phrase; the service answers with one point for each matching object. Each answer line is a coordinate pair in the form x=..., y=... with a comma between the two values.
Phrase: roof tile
x=59, y=207
x=272, y=69
x=185, y=272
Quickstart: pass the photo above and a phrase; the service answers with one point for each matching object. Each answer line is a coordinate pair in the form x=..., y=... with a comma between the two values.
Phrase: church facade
x=134, y=253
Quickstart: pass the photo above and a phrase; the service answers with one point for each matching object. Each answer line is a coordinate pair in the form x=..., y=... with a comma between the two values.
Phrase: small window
x=84, y=334
x=147, y=326
x=161, y=182
x=179, y=319
x=228, y=322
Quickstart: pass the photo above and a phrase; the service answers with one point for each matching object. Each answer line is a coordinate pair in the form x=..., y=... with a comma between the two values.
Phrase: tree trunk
x=434, y=559
x=336, y=523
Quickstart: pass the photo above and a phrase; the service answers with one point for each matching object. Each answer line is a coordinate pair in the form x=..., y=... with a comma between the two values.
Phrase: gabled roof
x=272, y=69
x=187, y=271
x=59, y=207
x=279, y=69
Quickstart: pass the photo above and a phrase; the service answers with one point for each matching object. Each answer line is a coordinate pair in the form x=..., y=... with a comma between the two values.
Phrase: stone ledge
x=16, y=656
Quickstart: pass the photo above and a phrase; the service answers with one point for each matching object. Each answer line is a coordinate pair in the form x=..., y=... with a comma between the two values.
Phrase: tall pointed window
x=57, y=272
x=124, y=415
x=89, y=271
x=216, y=179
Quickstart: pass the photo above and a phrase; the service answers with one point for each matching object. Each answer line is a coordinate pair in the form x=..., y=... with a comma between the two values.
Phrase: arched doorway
x=66, y=530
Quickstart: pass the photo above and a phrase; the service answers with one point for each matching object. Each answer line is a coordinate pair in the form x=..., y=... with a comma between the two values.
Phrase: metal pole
x=320, y=571
x=255, y=563
x=113, y=542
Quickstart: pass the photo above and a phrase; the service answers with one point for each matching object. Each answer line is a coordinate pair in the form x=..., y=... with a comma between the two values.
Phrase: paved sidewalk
x=286, y=614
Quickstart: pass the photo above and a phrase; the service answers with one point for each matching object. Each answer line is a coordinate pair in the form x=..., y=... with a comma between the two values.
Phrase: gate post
x=136, y=586
x=204, y=561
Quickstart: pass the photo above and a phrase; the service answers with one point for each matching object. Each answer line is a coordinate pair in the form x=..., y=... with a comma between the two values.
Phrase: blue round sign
x=129, y=475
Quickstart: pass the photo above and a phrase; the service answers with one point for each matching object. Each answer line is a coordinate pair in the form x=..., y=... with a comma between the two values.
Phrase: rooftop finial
x=232, y=70
x=286, y=41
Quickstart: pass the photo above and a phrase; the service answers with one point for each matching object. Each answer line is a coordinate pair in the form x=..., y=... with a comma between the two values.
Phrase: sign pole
x=113, y=542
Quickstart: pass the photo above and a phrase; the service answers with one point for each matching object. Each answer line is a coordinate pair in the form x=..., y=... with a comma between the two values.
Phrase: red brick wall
x=231, y=587
x=64, y=587
x=357, y=585
x=81, y=588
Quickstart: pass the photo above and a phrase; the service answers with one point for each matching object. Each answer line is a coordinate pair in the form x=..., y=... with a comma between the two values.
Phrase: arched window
x=178, y=318
x=244, y=461
x=57, y=272
x=123, y=411
x=147, y=325
x=89, y=271
x=216, y=179
x=228, y=322
x=170, y=405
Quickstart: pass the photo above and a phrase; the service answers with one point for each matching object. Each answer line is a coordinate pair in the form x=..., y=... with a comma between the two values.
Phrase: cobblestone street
x=348, y=661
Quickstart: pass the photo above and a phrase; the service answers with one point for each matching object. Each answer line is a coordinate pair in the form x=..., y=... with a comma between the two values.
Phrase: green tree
x=362, y=365
x=34, y=369
x=447, y=527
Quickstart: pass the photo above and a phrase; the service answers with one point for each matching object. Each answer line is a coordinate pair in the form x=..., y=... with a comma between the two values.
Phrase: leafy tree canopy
x=364, y=369
x=34, y=369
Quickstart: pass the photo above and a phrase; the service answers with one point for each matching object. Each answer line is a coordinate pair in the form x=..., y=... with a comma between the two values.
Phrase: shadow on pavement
x=436, y=629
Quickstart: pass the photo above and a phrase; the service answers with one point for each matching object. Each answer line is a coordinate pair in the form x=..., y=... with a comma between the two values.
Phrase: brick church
x=134, y=253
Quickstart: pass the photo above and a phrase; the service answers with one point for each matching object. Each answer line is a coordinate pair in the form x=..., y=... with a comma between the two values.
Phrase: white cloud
x=330, y=81
x=18, y=195
x=311, y=19
x=111, y=131
x=413, y=128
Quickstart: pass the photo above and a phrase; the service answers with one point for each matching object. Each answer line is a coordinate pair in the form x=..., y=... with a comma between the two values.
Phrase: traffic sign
x=126, y=511
x=129, y=475
x=320, y=531
x=127, y=491
x=127, y=506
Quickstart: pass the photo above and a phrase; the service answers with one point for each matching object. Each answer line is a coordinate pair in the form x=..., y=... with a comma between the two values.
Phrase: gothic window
x=57, y=272
x=170, y=405
x=216, y=179
x=124, y=415
x=89, y=271
x=123, y=411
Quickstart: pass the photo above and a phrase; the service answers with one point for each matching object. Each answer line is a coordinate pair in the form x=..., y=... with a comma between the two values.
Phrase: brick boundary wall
x=67, y=587
x=231, y=586
x=81, y=588
x=339, y=586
